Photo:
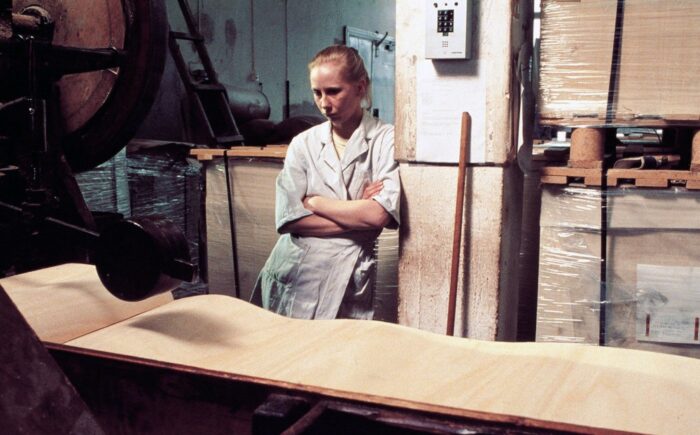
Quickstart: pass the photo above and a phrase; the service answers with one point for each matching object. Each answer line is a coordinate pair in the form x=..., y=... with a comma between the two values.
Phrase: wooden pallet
x=662, y=121
x=654, y=178
x=267, y=151
x=614, y=177
x=566, y=175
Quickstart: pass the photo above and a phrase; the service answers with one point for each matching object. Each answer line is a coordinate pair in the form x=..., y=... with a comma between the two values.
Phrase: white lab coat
x=311, y=277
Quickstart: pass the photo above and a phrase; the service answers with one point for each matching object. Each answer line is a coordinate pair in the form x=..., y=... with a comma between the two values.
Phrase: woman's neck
x=346, y=129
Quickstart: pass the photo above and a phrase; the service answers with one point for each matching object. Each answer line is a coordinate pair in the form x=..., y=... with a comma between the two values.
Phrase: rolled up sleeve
x=387, y=170
x=291, y=187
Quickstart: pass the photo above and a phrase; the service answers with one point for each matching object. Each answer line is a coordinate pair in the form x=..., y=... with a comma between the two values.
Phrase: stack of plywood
x=652, y=291
x=657, y=67
x=568, y=294
x=253, y=205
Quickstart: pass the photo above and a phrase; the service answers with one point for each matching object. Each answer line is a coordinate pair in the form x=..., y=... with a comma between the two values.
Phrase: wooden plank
x=654, y=177
x=566, y=175
x=600, y=122
x=651, y=182
x=65, y=302
x=554, y=179
x=641, y=178
x=529, y=383
x=268, y=151
x=692, y=184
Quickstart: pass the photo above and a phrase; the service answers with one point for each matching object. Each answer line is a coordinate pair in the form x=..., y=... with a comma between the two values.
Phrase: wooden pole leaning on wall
x=464, y=143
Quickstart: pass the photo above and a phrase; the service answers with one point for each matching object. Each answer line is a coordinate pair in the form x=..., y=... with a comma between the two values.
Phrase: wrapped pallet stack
x=654, y=70
x=619, y=234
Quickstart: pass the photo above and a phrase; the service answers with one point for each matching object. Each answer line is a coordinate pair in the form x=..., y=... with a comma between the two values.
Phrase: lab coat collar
x=331, y=170
x=358, y=143
x=338, y=171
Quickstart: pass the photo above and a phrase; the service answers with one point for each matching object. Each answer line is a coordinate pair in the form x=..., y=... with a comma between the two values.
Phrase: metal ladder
x=207, y=93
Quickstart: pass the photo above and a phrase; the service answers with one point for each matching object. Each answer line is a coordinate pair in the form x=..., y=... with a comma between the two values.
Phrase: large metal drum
x=101, y=110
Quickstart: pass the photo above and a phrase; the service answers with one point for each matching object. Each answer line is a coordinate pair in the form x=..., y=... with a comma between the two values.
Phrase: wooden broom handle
x=459, y=209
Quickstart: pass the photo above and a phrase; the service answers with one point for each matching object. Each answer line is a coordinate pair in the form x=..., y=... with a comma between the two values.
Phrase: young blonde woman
x=339, y=187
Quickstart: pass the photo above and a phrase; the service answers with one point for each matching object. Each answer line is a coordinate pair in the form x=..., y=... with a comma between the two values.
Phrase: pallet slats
x=268, y=151
x=565, y=175
x=614, y=177
x=654, y=178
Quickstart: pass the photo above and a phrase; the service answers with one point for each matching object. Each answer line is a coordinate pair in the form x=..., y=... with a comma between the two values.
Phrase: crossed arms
x=334, y=216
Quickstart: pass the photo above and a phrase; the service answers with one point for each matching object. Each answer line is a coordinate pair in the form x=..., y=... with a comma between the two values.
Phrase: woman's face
x=338, y=99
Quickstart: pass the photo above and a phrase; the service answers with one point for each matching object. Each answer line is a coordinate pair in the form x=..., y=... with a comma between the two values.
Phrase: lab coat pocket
x=280, y=274
x=363, y=279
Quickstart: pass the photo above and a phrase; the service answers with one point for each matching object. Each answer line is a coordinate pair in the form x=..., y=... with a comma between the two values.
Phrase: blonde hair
x=352, y=66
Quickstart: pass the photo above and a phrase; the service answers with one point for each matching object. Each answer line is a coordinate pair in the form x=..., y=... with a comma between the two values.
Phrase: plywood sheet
x=564, y=384
x=253, y=193
x=600, y=387
x=67, y=301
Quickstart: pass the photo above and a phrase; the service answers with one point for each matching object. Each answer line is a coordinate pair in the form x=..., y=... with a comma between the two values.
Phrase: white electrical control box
x=448, y=29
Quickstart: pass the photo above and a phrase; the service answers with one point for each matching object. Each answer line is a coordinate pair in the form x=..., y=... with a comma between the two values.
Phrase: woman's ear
x=363, y=91
x=362, y=87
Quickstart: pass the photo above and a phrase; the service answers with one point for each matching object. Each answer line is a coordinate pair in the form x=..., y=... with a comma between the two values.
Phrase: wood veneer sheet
x=64, y=302
x=595, y=387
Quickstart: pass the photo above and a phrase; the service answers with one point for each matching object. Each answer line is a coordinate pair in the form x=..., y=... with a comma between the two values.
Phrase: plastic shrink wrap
x=651, y=78
x=160, y=180
x=651, y=293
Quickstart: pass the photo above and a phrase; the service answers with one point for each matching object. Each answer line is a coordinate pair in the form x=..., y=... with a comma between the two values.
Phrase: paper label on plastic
x=668, y=304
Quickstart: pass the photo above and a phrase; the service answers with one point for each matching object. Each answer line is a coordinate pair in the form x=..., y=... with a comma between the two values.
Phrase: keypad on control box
x=446, y=21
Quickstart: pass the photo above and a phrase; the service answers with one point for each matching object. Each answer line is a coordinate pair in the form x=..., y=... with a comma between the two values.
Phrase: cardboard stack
x=657, y=65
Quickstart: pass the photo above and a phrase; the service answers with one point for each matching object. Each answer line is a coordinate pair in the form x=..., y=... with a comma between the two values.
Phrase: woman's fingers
x=372, y=189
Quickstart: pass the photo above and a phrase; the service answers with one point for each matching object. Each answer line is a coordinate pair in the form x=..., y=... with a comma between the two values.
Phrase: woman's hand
x=308, y=203
x=372, y=189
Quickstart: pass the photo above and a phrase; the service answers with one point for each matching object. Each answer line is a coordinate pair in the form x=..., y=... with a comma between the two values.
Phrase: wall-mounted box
x=448, y=29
